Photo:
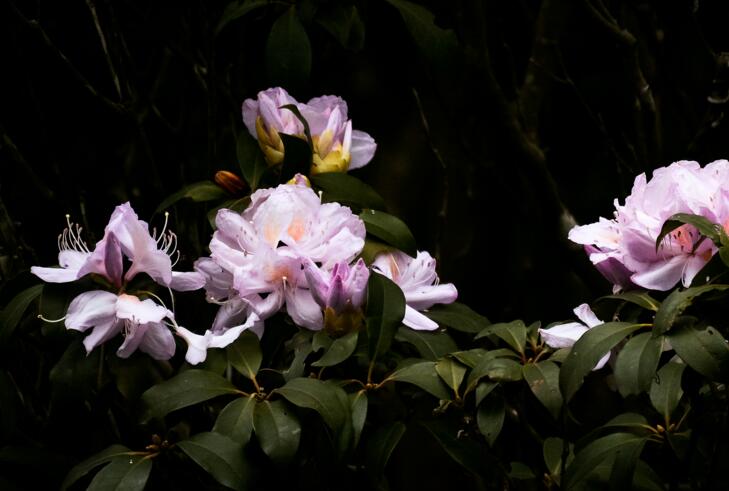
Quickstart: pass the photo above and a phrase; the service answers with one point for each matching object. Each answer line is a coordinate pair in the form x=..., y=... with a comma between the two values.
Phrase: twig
x=102, y=38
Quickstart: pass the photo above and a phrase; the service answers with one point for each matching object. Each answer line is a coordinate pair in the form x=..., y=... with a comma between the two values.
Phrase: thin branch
x=102, y=39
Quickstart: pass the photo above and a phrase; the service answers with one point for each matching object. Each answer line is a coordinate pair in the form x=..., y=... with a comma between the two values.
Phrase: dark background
x=498, y=126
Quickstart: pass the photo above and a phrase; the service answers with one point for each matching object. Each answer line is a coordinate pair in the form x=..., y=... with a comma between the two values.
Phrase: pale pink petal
x=587, y=316
x=54, y=275
x=158, y=342
x=415, y=320
x=602, y=361
x=302, y=308
x=197, y=345
x=425, y=297
x=661, y=275
x=362, y=150
x=103, y=332
x=130, y=307
x=133, y=338
x=563, y=335
x=232, y=333
x=187, y=281
x=90, y=309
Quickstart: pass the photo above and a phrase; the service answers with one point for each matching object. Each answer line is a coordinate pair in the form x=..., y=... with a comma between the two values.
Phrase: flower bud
x=230, y=182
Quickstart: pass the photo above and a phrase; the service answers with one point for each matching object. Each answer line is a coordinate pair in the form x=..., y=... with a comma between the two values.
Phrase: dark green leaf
x=705, y=227
x=598, y=451
x=666, y=389
x=236, y=420
x=472, y=357
x=127, y=473
x=520, y=471
x=220, y=456
x=435, y=43
x=83, y=468
x=288, y=51
x=636, y=364
x=423, y=375
x=13, y=312
x=278, y=430
x=236, y=9
x=626, y=460
x=340, y=349
x=343, y=22
x=297, y=157
x=250, y=159
x=451, y=372
x=588, y=350
x=490, y=417
x=459, y=317
x=385, y=311
x=641, y=299
x=513, y=333
x=359, y=413
x=543, y=380
x=496, y=369
x=381, y=445
x=552, y=450
x=390, y=229
x=319, y=396
x=676, y=303
x=704, y=350
x=245, y=354
x=307, y=131
x=483, y=389
x=430, y=345
x=347, y=190
x=302, y=347
x=198, y=192
x=186, y=389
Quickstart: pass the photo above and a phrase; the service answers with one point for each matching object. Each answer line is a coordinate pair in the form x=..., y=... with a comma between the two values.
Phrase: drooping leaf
x=198, y=192
x=381, y=445
x=385, y=311
x=587, y=351
x=641, y=299
x=342, y=188
x=236, y=420
x=220, y=456
x=430, y=345
x=597, y=451
x=188, y=388
x=666, y=391
x=513, y=333
x=251, y=161
x=543, y=380
x=636, y=364
x=288, y=51
x=321, y=397
x=458, y=316
x=277, y=429
x=390, y=229
x=245, y=354
x=81, y=469
x=678, y=301
x=340, y=349
x=13, y=312
x=451, y=372
x=704, y=350
x=490, y=417
x=423, y=375
x=705, y=227
x=126, y=473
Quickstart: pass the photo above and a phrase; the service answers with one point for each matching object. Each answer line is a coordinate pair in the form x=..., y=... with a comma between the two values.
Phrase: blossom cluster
x=624, y=248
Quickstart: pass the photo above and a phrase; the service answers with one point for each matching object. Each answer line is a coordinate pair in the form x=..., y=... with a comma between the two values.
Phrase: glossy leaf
x=598, y=451
x=705, y=227
x=678, y=301
x=490, y=417
x=347, y=190
x=81, y=469
x=552, y=451
x=451, y=372
x=188, y=388
x=666, y=391
x=513, y=333
x=358, y=408
x=127, y=473
x=423, y=375
x=338, y=351
x=245, y=354
x=641, y=299
x=251, y=162
x=483, y=389
x=636, y=363
x=297, y=157
x=496, y=369
x=458, y=316
x=277, y=429
x=390, y=229
x=381, y=445
x=319, y=396
x=704, y=350
x=220, y=456
x=385, y=311
x=430, y=345
x=587, y=351
x=236, y=420
x=198, y=192
x=543, y=380
x=288, y=51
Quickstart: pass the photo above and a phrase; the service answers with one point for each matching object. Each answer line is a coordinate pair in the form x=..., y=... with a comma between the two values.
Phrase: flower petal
x=102, y=333
x=302, y=308
x=158, y=342
x=91, y=309
x=131, y=308
x=197, y=345
x=563, y=335
x=362, y=150
x=426, y=296
x=586, y=315
x=415, y=320
x=187, y=281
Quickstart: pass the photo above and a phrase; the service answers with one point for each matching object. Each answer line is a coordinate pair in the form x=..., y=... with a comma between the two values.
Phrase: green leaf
x=297, y=157
x=288, y=51
x=490, y=418
x=483, y=389
x=127, y=473
x=513, y=333
x=13, y=312
x=319, y=396
x=342, y=188
x=472, y=357
x=588, y=350
x=705, y=227
x=236, y=420
x=358, y=401
x=390, y=229
x=372, y=249
x=278, y=430
x=245, y=354
x=385, y=311
x=641, y=299
x=340, y=349
x=430, y=345
x=185, y=389
x=302, y=347
x=598, y=451
x=520, y=471
x=636, y=364
x=552, y=450
x=103, y=457
x=704, y=350
x=381, y=445
x=434, y=42
x=220, y=456
x=307, y=131
x=674, y=305
x=626, y=460
x=451, y=372
x=496, y=369
x=250, y=159
x=459, y=317
x=666, y=389
x=344, y=23
x=543, y=380
x=237, y=9
x=464, y=451
x=423, y=375
x=198, y=192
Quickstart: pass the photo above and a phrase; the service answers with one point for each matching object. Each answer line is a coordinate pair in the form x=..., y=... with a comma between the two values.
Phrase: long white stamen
x=52, y=321
x=70, y=239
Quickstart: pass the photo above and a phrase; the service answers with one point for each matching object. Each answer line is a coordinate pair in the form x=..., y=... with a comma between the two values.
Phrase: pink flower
x=419, y=282
x=337, y=147
x=624, y=248
x=566, y=335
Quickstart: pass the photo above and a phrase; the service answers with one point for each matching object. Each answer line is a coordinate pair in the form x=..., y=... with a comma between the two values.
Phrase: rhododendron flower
x=629, y=239
x=419, y=282
x=340, y=293
x=217, y=337
x=566, y=335
x=337, y=147
x=108, y=313
x=265, y=248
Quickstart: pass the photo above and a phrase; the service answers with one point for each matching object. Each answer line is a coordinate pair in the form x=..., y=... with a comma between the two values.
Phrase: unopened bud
x=300, y=180
x=230, y=182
